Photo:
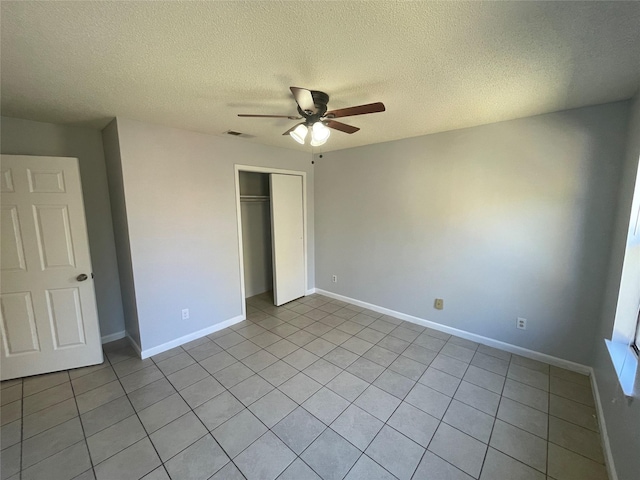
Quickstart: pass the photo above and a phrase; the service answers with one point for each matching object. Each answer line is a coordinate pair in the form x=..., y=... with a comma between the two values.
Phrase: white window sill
x=625, y=362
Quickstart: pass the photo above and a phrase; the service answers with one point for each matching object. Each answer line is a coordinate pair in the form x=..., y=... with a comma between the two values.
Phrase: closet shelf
x=254, y=198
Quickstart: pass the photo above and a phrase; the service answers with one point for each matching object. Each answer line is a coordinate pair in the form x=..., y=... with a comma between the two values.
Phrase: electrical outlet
x=334, y=278
x=185, y=313
x=438, y=304
x=521, y=323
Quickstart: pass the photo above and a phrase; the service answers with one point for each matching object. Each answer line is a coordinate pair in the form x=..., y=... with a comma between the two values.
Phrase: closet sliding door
x=287, y=235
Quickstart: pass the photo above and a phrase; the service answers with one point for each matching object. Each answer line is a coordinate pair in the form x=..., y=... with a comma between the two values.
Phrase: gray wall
x=24, y=137
x=507, y=220
x=256, y=235
x=121, y=228
x=622, y=416
x=180, y=197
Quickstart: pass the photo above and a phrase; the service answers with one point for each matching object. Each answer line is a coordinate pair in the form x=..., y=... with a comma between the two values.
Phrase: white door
x=287, y=232
x=49, y=319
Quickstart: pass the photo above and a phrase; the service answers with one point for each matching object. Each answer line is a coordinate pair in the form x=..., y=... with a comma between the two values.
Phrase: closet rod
x=254, y=198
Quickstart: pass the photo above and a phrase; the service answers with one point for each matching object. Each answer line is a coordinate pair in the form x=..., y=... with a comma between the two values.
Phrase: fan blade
x=359, y=110
x=343, y=127
x=292, y=128
x=290, y=117
x=304, y=99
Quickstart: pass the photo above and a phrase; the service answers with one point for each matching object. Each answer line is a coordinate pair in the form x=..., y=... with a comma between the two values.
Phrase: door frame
x=255, y=169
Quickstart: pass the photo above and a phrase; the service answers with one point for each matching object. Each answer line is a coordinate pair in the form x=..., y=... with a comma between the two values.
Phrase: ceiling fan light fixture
x=299, y=133
x=319, y=134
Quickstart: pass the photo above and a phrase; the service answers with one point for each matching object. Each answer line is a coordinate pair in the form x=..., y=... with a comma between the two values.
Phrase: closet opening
x=255, y=206
x=272, y=234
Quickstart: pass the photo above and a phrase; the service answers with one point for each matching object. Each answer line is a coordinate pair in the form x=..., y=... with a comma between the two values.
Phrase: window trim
x=625, y=362
x=636, y=338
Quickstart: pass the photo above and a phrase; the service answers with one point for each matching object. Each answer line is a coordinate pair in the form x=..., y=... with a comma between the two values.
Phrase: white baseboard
x=311, y=291
x=604, y=436
x=149, y=352
x=525, y=352
x=134, y=344
x=113, y=337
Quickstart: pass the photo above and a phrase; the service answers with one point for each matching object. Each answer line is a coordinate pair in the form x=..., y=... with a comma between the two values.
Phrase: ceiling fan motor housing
x=320, y=100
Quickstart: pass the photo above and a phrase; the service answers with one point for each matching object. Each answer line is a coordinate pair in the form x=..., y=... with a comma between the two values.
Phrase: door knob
x=82, y=277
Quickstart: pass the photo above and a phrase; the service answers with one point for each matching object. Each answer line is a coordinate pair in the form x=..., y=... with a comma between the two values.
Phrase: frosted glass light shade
x=319, y=134
x=299, y=133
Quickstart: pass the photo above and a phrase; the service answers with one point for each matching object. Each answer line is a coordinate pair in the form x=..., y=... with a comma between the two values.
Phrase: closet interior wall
x=256, y=232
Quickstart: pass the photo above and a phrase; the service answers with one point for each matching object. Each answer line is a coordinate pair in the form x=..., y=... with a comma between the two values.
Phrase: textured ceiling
x=194, y=65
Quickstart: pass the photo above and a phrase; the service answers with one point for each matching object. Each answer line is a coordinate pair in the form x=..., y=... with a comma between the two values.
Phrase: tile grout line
x=148, y=436
x=21, y=427
x=84, y=435
x=493, y=424
x=441, y=421
x=548, y=427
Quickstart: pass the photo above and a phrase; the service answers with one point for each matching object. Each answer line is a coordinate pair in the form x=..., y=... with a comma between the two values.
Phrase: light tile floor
x=314, y=389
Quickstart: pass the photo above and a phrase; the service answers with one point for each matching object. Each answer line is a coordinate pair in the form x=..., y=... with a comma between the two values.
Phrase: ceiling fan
x=312, y=106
